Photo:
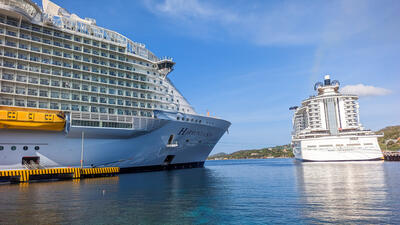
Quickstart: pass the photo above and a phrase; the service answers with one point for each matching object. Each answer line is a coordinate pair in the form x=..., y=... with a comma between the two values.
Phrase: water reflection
x=267, y=191
x=144, y=198
x=343, y=192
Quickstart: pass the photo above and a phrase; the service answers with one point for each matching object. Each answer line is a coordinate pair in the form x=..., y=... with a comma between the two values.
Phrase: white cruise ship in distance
x=74, y=94
x=326, y=127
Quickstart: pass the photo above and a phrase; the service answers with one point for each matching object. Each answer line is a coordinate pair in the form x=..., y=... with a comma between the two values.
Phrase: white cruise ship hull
x=336, y=148
x=128, y=149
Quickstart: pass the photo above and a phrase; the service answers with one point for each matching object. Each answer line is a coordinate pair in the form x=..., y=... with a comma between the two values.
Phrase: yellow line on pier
x=77, y=173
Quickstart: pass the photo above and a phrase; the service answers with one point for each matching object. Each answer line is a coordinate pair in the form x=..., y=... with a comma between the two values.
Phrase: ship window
x=84, y=108
x=19, y=102
x=6, y=101
x=75, y=97
x=85, y=98
x=30, y=91
x=25, y=148
x=85, y=77
x=37, y=148
x=43, y=93
x=55, y=94
x=32, y=104
x=20, y=90
x=85, y=87
x=75, y=107
x=21, y=78
x=65, y=95
x=64, y=106
x=13, y=148
x=54, y=105
x=1, y=148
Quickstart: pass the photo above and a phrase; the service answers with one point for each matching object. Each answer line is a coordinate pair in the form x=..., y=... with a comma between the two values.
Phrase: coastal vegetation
x=281, y=151
x=391, y=138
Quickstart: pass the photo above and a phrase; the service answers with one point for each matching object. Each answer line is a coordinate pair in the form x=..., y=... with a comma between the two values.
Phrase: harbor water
x=266, y=191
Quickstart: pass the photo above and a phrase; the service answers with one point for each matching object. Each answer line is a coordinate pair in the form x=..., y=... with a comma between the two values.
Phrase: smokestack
x=327, y=80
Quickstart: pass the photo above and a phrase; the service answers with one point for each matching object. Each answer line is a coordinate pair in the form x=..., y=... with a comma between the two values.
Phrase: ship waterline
x=75, y=94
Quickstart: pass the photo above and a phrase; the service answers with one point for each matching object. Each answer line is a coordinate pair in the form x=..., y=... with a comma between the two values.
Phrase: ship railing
x=146, y=124
x=101, y=117
x=138, y=123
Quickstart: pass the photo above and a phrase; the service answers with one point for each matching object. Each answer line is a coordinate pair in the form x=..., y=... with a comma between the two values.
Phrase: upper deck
x=63, y=62
x=328, y=113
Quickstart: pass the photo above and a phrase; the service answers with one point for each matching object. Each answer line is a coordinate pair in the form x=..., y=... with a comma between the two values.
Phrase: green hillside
x=391, y=139
x=282, y=151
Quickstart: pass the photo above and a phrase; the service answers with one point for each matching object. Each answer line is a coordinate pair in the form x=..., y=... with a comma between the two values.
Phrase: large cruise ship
x=326, y=127
x=73, y=94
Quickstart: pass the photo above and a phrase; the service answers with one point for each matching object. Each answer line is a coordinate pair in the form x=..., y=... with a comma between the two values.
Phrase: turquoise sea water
x=271, y=191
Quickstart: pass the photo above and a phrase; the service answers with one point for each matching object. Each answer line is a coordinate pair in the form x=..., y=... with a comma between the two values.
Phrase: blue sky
x=249, y=61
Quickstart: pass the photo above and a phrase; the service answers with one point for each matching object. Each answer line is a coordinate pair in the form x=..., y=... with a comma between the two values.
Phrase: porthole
x=1, y=148
x=25, y=148
x=187, y=140
x=37, y=148
x=13, y=148
x=177, y=118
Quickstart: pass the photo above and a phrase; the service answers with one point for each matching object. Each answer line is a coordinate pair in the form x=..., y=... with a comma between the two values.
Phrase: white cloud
x=365, y=90
x=274, y=23
x=190, y=11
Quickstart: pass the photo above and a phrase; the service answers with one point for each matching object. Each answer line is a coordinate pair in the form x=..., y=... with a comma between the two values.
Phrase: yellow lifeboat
x=31, y=119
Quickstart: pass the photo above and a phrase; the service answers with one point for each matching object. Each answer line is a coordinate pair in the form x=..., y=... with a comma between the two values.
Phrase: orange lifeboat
x=31, y=119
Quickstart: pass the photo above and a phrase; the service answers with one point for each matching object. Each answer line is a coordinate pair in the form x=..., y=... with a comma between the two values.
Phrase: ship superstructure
x=326, y=127
x=102, y=83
